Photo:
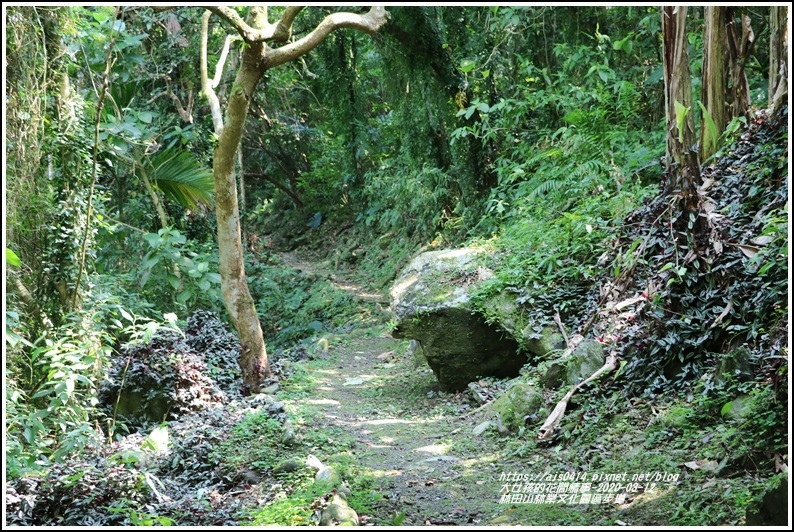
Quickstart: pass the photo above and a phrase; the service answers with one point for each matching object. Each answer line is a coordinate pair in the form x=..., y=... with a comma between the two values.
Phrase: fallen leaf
x=705, y=465
x=762, y=240
x=722, y=315
x=627, y=302
x=706, y=184
x=749, y=251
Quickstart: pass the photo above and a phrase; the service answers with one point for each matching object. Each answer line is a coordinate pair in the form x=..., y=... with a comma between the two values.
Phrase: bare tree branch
x=262, y=30
x=376, y=17
x=185, y=112
x=222, y=61
x=283, y=30
x=206, y=87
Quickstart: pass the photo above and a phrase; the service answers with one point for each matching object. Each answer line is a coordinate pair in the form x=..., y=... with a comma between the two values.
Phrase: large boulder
x=539, y=340
x=431, y=303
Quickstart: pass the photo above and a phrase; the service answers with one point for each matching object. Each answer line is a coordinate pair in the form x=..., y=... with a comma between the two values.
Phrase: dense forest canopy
x=160, y=160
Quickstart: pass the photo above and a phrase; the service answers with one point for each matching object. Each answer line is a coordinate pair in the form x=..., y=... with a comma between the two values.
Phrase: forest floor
x=379, y=408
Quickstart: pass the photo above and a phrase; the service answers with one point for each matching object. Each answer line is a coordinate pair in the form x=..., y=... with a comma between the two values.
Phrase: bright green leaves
x=180, y=176
x=680, y=118
x=173, y=269
x=12, y=259
x=712, y=136
x=467, y=65
x=626, y=44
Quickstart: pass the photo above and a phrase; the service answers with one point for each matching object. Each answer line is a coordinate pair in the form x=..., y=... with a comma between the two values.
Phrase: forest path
x=414, y=440
x=310, y=266
x=367, y=395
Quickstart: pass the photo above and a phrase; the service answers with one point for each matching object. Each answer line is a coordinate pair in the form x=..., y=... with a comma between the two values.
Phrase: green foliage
x=181, y=178
x=198, y=282
x=294, y=307
x=254, y=442
x=51, y=393
x=407, y=201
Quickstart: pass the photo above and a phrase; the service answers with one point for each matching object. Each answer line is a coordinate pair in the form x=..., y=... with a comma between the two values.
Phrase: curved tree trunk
x=257, y=58
x=239, y=303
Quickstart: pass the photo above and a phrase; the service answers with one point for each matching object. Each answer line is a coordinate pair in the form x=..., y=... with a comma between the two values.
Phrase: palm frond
x=179, y=176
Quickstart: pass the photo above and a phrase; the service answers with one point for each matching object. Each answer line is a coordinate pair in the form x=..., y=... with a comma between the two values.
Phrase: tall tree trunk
x=778, y=57
x=239, y=303
x=682, y=158
x=714, y=85
x=257, y=57
x=158, y=205
x=739, y=50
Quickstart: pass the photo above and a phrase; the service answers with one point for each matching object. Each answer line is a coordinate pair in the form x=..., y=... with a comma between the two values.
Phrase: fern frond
x=179, y=176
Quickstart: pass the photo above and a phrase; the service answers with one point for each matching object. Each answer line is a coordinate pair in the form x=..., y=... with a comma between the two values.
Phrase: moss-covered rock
x=504, y=311
x=541, y=341
x=432, y=304
x=587, y=358
x=735, y=364
x=522, y=400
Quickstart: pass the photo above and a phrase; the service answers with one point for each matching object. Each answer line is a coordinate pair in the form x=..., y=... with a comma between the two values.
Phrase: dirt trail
x=417, y=442
x=294, y=260
x=414, y=440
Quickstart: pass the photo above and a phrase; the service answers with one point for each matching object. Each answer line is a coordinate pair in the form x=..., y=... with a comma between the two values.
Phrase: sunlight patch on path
x=333, y=402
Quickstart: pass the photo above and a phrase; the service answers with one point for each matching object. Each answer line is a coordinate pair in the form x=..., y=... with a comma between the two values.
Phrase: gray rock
x=772, y=508
x=431, y=304
x=328, y=476
x=271, y=390
x=288, y=466
x=587, y=358
x=276, y=407
x=504, y=310
x=482, y=427
x=736, y=364
x=740, y=408
x=518, y=403
x=339, y=513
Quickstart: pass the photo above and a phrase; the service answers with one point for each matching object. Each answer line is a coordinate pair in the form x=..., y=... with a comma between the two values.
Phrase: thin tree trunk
x=239, y=303
x=682, y=157
x=778, y=57
x=158, y=206
x=739, y=51
x=714, y=85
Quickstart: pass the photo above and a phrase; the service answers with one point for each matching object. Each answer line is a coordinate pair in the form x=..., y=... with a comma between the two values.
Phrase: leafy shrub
x=159, y=379
x=174, y=272
x=219, y=347
x=77, y=492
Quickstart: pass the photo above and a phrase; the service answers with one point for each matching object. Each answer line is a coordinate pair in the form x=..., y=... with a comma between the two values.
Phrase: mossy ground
x=408, y=452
